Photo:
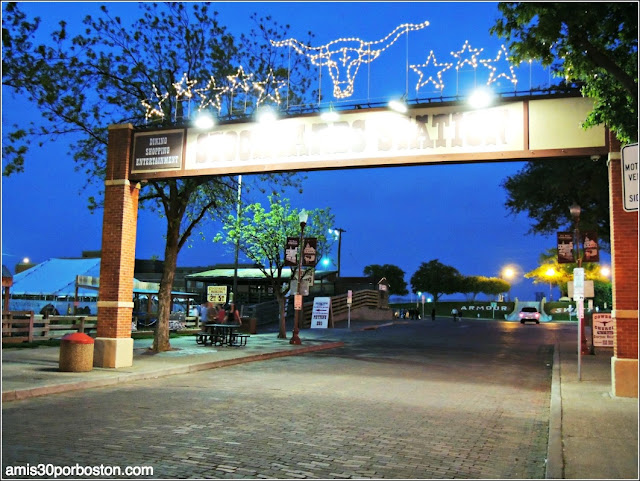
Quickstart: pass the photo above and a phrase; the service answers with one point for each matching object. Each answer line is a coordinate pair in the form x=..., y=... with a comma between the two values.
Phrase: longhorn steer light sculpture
x=344, y=56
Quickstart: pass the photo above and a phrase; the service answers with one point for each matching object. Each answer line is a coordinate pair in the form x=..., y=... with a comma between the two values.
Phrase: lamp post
x=575, y=211
x=235, y=266
x=338, y=231
x=295, y=339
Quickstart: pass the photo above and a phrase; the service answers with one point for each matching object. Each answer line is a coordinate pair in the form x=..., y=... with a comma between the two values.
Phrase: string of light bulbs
x=342, y=57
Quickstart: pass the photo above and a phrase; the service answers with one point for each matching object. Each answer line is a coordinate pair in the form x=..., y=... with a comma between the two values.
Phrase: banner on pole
x=565, y=248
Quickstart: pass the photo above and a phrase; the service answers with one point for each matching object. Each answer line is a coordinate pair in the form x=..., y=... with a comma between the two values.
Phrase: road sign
x=349, y=297
x=630, y=177
x=320, y=313
x=578, y=283
x=217, y=294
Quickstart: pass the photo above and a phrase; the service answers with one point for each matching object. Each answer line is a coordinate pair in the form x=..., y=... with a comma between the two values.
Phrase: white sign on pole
x=603, y=326
x=320, y=313
x=349, y=297
x=578, y=283
x=630, y=177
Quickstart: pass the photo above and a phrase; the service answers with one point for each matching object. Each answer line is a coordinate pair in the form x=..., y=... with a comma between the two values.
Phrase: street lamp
x=575, y=210
x=509, y=273
x=295, y=339
x=551, y=272
x=337, y=231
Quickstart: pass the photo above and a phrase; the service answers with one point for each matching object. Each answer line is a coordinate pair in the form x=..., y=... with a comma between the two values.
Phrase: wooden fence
x=22, y=326
x=339, y=308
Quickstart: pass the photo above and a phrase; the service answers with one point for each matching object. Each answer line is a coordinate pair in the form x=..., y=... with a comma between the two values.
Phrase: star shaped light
x=269, y=89
x=431, y=60
x=472, y=60
x=511, y=76
x=151, y=110
x=240, y=80
x=211, y=95
x=184, y=92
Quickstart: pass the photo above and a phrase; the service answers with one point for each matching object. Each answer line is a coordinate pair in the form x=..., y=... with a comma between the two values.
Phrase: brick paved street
x=422, y=400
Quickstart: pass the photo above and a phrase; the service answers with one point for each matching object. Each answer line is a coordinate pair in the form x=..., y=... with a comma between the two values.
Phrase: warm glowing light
x=25, y=260
x=437, y=82
x=472, y=60
x=152, y=111
x=210, y=95
x=344, y=56
x=508, y=272
x=398, y=106
x=204, y=121
x=550, y=272
x=183, y=88
x=269, y=89
x=511, y=76
x=605, y=271
x=480, y=98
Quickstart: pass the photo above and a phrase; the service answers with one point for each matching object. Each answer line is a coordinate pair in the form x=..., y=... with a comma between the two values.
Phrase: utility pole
x=339, y=232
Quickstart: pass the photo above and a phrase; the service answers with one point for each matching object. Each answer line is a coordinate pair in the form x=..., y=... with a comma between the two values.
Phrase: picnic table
x=216, y=334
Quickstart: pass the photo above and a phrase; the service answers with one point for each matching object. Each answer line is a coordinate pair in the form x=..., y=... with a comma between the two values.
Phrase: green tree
x=494, y=286
x=394, y=275
x=261, y=235
x=81, y=84
x=594, y=45
x=550, y=271
x=436, y=278
x=545, y=189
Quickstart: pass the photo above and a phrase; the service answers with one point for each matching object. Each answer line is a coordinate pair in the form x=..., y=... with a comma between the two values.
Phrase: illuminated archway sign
x=519, y=129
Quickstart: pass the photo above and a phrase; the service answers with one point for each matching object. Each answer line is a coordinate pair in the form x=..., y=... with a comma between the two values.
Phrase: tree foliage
x=84, y=81
x=545, y=189
x=550, y=271
x=393, y=274
x=593, y=45
x=261, y=235
x=436, y=279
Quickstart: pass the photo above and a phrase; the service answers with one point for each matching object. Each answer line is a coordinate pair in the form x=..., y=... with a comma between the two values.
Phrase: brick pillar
x=624, y=263
x=114, y=345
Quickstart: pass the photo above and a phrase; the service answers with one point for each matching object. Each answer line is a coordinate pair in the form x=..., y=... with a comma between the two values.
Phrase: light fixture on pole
x=338, y=231
x=295, y=338
x=575, y=211
x=551, y=272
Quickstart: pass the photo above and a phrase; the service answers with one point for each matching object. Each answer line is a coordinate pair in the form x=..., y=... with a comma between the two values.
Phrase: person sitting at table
x=233, y=316
x=220, y=314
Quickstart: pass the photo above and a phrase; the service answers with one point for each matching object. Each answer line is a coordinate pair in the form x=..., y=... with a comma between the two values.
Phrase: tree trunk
x=161, y=336
x=282, y=334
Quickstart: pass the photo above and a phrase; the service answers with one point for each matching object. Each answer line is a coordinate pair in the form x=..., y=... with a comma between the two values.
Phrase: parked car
x=529, y=314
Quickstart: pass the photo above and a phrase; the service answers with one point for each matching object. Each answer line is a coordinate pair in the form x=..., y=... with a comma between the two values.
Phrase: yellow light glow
x=550, y=272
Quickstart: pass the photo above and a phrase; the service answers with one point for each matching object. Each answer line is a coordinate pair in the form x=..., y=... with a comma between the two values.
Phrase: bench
x=239, y=339
x=201, y=338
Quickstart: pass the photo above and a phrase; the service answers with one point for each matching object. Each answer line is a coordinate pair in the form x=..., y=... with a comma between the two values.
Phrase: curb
x=20, y=394
x=554, y=462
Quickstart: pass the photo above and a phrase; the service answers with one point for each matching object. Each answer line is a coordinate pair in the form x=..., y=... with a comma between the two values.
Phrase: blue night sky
x=400, y=215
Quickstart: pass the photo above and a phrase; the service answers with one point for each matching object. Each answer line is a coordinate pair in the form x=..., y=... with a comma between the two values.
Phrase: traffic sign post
x=349, y=301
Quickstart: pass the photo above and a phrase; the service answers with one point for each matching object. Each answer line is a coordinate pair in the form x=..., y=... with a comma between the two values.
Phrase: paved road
x=421, y=400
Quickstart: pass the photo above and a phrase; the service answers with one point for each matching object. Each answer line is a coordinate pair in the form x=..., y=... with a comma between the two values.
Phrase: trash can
x=252, y=325
x=76, y=353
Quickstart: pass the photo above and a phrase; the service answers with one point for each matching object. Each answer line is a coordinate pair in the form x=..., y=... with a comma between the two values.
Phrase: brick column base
x=624, y=377
x=113, y=352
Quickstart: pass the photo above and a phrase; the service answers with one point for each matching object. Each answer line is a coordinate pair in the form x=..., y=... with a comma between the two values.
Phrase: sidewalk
x=34, y=372
x=592, y=435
